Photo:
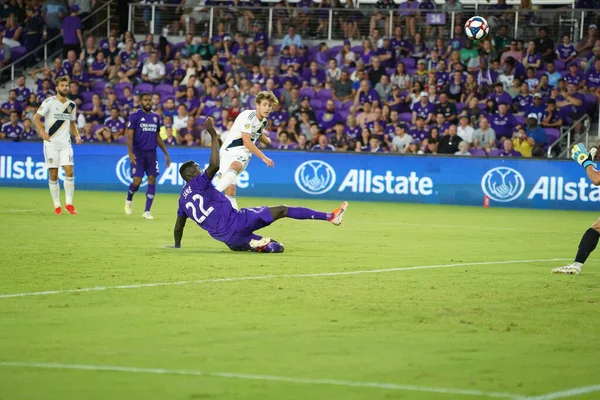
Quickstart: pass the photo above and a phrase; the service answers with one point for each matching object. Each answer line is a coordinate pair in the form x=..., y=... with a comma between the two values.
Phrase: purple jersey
x=352, y=133
x=593, y=79
x=22, y=94
x=278, y=118
x=115, y=125
x=565, y=52
x=314, y=79
x=574, y=79
x=42, y=95
x=210, y=101
x=191, y=104
x=503, y=125
x=145, y=129
x=370, y=97
x=212, y=211
x=13, y=131
x=533, y=58
x=328, y=120
x=423, y=110
x=420, y=134
x=12, y=106
x=501, y=98
x=523, y=101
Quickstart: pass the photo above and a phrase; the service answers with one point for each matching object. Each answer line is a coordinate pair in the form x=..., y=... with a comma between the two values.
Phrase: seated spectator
x=499, y=95
x=29, y=132
x=153, y=71
x=5, y=54
x=432, y=147
x=384, y=87
x=22, y=90
x=503, y=123
x=131, y=72
x=97, y=113
x=374, y=146
x=508, y=150
x=48, y=92
x=532, y=57
x=566, y=52
x=485, y=135
x=464, y=130
x=303, y=143
x=521, y=142
x=73, y=95
x=191, y=101
x=537, y=107
x=365, y=94
x=170, y=139
x=12, y=29
x=115, y=124
x=523, y=100
x=423, y=109
x=446, y=108
x=127, y=101
x=473, y=111
x=449, y=142
x=97, y=71
x=11, y=105
x=419, y=131
x=12, y=129
x=80, y=76
x=401, y=140
x=284, y=142
x=463, y=149
x=112, y=51
x=88, y=134
x=190, y=135
x=323, y=144
x=552, y=117
x=313, y=77
x=536, y=135
x=552, y=74
x=531, y=80
x=128, y=51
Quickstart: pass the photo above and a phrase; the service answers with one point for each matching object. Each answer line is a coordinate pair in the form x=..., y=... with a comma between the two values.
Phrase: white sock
x=55, y=192
x=577, y=265
x=229, y=178
x=233, y=201
x=69, y=185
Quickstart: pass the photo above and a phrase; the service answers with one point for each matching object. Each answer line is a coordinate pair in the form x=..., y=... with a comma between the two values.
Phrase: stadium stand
x=365, y=76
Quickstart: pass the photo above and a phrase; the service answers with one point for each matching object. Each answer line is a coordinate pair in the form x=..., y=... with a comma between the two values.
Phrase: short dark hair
x=144, y=94
x=187, y=170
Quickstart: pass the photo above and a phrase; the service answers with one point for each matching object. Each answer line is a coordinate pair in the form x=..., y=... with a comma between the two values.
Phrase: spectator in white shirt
x=154, y=70
x=464, y=130
x=180, y=120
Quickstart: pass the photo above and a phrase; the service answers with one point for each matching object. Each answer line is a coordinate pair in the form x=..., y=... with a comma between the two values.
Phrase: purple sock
x=307, y=213
x=131, y=191
x=150, y=196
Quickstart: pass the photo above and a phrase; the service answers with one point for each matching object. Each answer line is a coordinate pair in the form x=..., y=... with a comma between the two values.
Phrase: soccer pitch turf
x=480, y=315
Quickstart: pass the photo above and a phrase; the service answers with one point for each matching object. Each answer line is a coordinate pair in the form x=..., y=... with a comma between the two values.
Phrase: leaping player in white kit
x=239, y=144
x=56, y=130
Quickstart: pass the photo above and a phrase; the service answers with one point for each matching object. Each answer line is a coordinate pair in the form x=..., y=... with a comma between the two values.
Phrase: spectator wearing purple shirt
x=291, y=77
x=532, y=57
x=191, y=101
x=508, y=150
x=314, y=77
x=97, y=70
x=23, y=91
x=440, y=124
x=366, y=53
x=260, y=37
x=386, y=54
x=499, y=95
x=13, y=129
x=277, y=118
x=566, y=52
x=284, y=142
x=592, y=78
x=523, y=99
x=573, y=106
x=323, y=144
x=329, y=118
x=115, y=123
x=574, y=76
x=503, y=123
x=98, y=112
x=419, y=131
x=365, y=94
x=423, y=109
x=71, y=31
x=11, y=104
x=408, y=10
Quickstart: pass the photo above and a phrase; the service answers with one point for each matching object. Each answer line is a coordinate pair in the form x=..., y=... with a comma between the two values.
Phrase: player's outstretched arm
x=247, y=139
x=213, y=164
x=178, y=231
x=586, y=159
x=265, y=139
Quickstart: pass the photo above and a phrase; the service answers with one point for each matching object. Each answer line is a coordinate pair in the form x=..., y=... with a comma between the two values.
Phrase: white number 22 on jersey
x=200, y=207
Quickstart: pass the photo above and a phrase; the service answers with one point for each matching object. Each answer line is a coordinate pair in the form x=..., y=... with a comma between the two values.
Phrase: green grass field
x=303, y=327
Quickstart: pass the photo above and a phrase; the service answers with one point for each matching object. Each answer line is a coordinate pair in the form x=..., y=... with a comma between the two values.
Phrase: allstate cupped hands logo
x=503, y=184
x=123, y=172
x=315, y=177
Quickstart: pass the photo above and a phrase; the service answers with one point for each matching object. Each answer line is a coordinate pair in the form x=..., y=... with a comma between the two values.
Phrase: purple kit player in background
x=143, y=136
x=213, y=212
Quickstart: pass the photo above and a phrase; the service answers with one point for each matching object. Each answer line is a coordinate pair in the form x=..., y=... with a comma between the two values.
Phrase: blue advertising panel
x=558, y=184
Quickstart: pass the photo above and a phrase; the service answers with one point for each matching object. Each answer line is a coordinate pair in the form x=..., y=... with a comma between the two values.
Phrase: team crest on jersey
x=133, y=170
x=155, y=120
x=50, y=160
x=247, y=127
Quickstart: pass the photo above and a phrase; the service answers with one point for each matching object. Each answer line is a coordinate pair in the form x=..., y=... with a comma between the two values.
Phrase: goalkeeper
x=590, y=237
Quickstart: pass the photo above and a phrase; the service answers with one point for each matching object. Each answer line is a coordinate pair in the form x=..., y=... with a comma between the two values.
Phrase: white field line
x=567, y=393
x=235, y=375
x=451, y=226
x=264, y=277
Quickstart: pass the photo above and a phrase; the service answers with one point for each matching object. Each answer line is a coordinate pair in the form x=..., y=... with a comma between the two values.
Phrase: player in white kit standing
x=56, y=131
x=239, y=144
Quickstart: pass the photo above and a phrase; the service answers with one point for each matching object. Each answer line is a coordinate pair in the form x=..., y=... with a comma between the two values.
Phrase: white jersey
x=58, y=117
x=246, y=122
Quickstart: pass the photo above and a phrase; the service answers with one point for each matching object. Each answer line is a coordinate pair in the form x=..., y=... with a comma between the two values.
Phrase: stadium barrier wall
x=509, y=182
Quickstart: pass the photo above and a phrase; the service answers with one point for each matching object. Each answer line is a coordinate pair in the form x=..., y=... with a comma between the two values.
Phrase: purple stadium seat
x=122, y=85
x=409, y=62
x=338, y=105
x=481, y=106
x=313, y=50
x=494, y=153
x=324, y=95
x=17, y=52
x=316, y=103
x=165, y=89
x=98, y=87
x=347, y=105
x=169, y=67
x=477, y=152
x=538, y=74
x=357, y=49
x=520, y=119
x=278, y=92
x=552, y=134
x=87, y=97
x=560, y=66
x=96, y=128
x=273, y=135
x=307, y=92
x=200, y=120
x=332, y=52
x=411, y=71
x=175, y=48
x=406, y=117
x=144, y=87
x=460, y=107
x=344, y=114
x=277, y=48
x=87, y=107
x=390, y=71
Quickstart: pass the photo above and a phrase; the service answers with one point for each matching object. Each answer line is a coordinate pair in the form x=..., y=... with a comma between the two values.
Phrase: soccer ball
x=477, y=28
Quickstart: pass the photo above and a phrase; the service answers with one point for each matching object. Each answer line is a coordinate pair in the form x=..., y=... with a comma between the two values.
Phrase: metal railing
x=567, y=133
x=349, y=23
x=48, y=44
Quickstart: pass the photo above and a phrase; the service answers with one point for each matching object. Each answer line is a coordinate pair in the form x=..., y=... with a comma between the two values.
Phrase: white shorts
x=228, y=156
x=56, y=158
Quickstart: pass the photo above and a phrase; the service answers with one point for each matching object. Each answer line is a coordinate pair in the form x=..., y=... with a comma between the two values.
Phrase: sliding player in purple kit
x=143, y=136
x=213, y=212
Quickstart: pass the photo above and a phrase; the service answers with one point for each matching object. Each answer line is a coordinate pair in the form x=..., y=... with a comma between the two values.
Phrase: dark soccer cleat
x=71, y=209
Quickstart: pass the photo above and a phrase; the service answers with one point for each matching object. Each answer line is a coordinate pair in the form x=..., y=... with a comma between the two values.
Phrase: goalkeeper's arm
x=593, y=174
x=586, y=160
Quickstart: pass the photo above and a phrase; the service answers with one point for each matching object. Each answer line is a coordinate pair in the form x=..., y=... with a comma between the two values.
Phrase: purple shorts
x=249, y=220
x=145, y=162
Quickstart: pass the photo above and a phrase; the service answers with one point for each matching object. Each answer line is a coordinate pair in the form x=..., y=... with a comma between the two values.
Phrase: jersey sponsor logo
x=315, y=177
x=503, y=184
x=124, y=171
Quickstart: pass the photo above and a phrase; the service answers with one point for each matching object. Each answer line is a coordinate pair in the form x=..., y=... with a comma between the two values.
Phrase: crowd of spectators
x=403, y=93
